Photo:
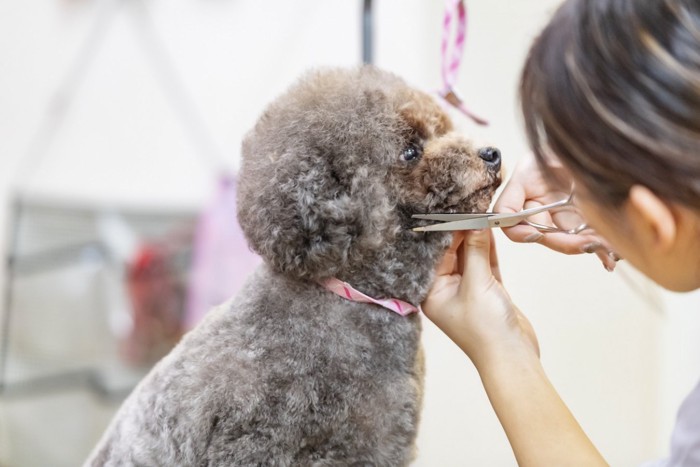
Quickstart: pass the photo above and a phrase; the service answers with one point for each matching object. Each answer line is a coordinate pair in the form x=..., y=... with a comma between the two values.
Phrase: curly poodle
x=288, y=372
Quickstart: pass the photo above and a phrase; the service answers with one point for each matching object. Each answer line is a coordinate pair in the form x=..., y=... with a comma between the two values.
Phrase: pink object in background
x=221, y=259
x=452, y=57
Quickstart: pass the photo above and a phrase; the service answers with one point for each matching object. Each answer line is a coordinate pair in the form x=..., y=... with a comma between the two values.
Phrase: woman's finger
x=523, y=234
x=476, y=258
x=558, y=241
x=567, y=243
x=460, y=255
x=493, y=258
x=448, y=264
x=511, y=200
x=607, y=256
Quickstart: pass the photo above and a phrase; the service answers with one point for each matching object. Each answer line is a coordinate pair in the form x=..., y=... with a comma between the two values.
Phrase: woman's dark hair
x=611, y=89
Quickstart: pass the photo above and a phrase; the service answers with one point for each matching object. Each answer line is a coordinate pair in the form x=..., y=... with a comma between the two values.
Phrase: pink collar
x=348, y=292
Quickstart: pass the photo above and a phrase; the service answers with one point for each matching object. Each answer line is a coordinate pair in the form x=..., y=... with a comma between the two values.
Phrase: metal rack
x=18, y=263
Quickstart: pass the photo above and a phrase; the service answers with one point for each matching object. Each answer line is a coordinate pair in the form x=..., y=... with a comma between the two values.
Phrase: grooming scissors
x=490, y=220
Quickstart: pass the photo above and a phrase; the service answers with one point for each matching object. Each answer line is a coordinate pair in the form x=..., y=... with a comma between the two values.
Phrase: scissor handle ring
x=551, y=229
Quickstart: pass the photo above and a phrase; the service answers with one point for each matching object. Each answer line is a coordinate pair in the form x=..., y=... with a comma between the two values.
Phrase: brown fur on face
x=450, y=176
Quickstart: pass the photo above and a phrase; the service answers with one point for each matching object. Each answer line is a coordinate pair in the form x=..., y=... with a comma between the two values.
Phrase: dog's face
x=334, y=169
x=435, y=169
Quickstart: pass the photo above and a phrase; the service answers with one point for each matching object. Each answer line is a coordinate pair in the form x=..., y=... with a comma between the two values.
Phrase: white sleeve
x=685, y=441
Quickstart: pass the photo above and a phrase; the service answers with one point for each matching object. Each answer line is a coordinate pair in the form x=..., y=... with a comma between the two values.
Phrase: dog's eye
x=411, y=153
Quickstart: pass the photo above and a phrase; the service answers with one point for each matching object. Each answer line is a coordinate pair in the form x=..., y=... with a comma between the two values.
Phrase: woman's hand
x=468, y=302
x=470, y=305
x=527, y=189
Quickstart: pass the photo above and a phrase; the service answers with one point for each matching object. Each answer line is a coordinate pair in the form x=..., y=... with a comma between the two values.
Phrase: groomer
x=610, y=94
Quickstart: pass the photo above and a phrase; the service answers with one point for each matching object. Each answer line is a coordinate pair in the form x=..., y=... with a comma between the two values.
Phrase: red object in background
x=156, y=291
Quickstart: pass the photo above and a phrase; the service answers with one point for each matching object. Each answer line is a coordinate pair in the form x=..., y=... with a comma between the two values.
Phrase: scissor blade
x=452, y=217
x=450, y=222
x=467, y=224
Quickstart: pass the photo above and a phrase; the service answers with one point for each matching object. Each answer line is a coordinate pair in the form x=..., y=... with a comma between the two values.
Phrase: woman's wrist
x=505, y=351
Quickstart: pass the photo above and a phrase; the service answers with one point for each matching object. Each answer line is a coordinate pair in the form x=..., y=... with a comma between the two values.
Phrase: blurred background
x=120, y=127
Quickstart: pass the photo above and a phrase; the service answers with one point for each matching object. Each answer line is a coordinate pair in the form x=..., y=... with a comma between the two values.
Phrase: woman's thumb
x=475, y=257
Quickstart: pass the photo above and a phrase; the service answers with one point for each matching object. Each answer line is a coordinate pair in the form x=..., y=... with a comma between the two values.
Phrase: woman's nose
x=492, y=157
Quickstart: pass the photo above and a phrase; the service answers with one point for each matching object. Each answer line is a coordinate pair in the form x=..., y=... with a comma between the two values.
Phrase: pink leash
x=348, y=292
x=452, y=59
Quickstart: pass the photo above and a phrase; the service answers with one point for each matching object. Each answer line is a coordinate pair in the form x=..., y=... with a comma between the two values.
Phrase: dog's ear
x=304, y=216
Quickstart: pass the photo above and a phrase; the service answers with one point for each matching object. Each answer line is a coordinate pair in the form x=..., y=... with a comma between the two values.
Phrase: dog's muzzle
x=492, y=158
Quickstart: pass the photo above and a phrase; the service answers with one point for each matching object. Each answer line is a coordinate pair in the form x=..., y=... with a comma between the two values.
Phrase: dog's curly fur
x=288, y=373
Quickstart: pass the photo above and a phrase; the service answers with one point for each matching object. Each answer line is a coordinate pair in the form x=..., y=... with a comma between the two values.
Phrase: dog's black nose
x=491, y=156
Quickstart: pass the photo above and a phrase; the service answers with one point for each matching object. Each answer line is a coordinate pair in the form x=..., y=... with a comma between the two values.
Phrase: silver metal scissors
x=490, y=220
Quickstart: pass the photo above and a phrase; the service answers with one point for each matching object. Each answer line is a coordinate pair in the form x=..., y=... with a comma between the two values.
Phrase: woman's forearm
x=541, y=429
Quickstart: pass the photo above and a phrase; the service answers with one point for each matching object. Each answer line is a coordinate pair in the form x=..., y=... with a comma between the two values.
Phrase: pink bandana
x=348, y=292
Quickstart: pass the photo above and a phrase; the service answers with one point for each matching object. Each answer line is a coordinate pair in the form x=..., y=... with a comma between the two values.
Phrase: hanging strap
x=452, y=56
x=367, y=32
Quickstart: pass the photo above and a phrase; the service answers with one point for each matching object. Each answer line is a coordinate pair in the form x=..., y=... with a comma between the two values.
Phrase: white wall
x=606, y=345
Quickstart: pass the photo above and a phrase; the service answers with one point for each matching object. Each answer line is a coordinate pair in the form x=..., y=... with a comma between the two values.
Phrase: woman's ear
x=653, y=216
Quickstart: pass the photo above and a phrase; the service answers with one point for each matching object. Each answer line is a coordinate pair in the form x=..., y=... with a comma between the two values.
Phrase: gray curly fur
x=288, y=373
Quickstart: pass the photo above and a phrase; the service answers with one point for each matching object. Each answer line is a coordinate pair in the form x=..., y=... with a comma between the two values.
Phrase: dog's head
x=334, y=169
